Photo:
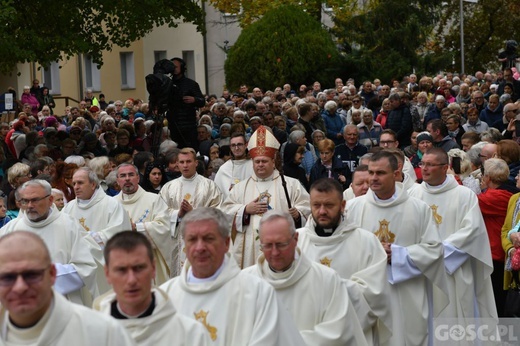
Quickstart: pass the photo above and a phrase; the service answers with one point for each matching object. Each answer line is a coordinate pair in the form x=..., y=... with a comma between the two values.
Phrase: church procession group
x=366, y=245
x=250, y=258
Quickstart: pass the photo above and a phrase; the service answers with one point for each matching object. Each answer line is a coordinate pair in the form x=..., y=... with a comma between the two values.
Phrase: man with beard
x=356, y=255
x=67, y=242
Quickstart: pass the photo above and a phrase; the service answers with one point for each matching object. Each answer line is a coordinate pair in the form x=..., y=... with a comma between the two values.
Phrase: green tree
x=487, y=25
x=247, y=11
x=389, y=39
x=285, y=46
x=46, y=31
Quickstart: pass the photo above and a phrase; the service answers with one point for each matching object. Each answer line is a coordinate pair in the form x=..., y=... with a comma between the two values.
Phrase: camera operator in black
x=187, y=97
x=509, y=57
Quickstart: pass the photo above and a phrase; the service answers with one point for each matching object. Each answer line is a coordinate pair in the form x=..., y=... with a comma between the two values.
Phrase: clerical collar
x=117, y=312
x=192, y=279
x=293, y=263
x=324, y=232
x=191, y=178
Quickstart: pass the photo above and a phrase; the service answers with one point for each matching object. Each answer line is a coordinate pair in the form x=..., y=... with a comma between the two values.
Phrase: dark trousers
x=497, y=280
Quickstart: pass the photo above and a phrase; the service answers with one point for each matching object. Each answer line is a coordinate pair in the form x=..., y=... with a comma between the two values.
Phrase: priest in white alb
x=188, y=192
x=149, y=215
x=33, y=313
x=314, y=295
x=239, y=168
x=147, y=313
x=355, y=254
x=263, y=191
x=467, y=253
x=98, y=213
x=236, y=308
x=404, y=225
x=67, y=242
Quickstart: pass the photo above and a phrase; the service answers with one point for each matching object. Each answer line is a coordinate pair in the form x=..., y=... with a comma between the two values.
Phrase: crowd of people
x=353, y=215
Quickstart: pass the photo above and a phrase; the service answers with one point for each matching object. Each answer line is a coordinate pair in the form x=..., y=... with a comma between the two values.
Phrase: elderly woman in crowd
x=383, y=114
x=17, y=175
x=419, y=110
x=493, y=204
x=333, y=122
x=330, y=166
x=424, y=142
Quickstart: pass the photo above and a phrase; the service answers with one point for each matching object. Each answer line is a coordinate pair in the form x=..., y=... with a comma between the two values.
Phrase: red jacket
x=493, y=205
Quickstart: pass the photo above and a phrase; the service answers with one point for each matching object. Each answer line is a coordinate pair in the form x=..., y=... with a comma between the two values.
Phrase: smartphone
x=455, y=164
x=517, y=128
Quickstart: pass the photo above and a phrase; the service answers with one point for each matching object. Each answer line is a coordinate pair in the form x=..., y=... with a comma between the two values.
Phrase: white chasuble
x=246, y=247
x=417, y=262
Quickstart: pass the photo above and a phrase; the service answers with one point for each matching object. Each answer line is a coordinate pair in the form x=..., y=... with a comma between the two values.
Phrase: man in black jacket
x=187, y=97
x=400, y=120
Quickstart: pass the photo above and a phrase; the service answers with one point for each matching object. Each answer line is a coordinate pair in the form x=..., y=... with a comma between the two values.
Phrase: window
x=159, y=55
x=189, y=58
x=127, y=70
x=51, y=78
x=92, y=75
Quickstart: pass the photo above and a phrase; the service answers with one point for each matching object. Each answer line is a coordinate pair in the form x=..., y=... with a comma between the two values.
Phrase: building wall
x=220, y=28
x=174, y=42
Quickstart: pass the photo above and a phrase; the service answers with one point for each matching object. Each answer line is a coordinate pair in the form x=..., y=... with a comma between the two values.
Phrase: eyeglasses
x=386, y=142
x=356, y=101
x=278, y=246
x=427, y=164
x=24, y=201
x=30, y=277
x=237, y=145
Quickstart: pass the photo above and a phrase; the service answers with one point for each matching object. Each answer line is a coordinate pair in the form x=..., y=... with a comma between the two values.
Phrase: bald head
x=510, y=107
x=24, y=242
x=488, y=151
x=26, y=277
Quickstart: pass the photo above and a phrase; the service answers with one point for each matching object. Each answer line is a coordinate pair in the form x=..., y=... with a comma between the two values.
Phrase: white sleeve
x=67, y=279
x=453, y=257
x=402, y=267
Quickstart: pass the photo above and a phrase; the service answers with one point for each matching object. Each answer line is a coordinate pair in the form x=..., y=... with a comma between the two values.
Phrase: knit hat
x=50, y=121
x=263, y=143
x=424, y=136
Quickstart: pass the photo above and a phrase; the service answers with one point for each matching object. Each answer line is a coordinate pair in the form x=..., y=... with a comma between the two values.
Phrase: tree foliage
x=487, y=25
x=389, y=39
x=46, y=31
x=248, y=11
x=285, y=46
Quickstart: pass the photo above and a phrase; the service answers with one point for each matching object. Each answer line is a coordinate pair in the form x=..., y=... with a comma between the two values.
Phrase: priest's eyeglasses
x=30, y=277
x=24, y=201
x=278, y=246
